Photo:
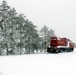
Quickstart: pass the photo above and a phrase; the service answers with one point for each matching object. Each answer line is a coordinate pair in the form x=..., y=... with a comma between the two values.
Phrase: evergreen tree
x=31, y=37
x=45, y=35
x=12, y=30
x=4, y=8
x=7, y=28
x=20, y=32
x=17, y=34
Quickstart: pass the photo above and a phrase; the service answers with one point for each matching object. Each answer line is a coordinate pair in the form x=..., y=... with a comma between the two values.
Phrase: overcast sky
x=59, y=15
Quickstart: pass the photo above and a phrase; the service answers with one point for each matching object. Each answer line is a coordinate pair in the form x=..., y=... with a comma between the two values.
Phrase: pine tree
x=20, y=31
x=16, y=32
x=31, y=37
x=7, y=27
x=12, y=27
x=45, y=35
x=4, y=8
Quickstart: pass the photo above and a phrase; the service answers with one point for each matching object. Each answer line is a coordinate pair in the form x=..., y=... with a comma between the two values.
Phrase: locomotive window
x=53, y=39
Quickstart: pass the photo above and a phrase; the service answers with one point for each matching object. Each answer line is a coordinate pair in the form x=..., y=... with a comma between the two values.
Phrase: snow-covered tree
x=31, y=37
x=45, y=34
x=12, y=30
x=4, y=8
x=19, y=30
x=17, y=34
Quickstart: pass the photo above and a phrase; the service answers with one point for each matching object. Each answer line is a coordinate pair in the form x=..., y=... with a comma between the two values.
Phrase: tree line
x=18, y=35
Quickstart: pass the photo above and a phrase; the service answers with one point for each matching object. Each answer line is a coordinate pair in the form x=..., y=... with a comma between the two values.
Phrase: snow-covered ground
x=39, y=64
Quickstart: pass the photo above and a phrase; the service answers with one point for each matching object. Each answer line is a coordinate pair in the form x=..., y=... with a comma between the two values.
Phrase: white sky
x=60, y=15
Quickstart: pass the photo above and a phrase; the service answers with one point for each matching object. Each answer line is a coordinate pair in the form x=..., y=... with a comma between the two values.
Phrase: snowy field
x=39, y=64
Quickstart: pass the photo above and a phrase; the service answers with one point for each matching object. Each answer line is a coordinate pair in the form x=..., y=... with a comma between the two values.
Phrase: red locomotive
x=60, y=45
